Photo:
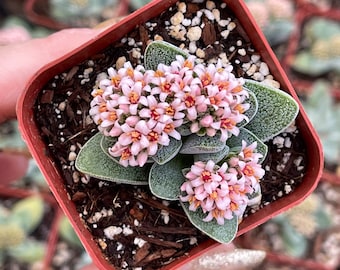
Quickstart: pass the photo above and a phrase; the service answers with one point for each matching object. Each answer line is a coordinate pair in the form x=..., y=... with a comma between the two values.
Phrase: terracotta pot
x=31, y=132
x=37, y=11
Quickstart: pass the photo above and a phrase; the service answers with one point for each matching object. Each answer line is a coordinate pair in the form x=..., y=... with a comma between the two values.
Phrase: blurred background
x=305, y=36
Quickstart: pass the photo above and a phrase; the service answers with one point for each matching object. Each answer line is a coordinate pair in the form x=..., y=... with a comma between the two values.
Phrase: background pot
x=31, y=132
x=39, y=12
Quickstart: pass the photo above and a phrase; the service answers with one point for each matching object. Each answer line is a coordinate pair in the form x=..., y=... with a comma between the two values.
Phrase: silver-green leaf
x=161, y=52
x=221, y=233
x=165, y=180
x=216, y=157
x=195, y=144
x=277, y=110
x=249, y=137
x=166, y=153
x=92, y=160
x=251, y=112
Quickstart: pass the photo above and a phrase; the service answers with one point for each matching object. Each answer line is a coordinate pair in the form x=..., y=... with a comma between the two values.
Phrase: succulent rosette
x=192, y=132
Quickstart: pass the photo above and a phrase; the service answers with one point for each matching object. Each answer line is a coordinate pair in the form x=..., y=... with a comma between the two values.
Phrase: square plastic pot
x=31, y=132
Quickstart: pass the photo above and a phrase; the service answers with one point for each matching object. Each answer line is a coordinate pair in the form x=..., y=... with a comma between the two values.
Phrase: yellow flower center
x=133, y=97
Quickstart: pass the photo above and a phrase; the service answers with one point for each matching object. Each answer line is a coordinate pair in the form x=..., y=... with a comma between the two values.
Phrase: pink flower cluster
x=222, y=191
x=143, y=108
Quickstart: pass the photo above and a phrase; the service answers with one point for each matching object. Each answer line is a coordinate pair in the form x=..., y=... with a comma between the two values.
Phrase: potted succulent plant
x=121, y=222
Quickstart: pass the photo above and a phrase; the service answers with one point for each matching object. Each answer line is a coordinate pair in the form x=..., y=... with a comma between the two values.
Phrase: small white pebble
x=192, y=47
x=136, y=53
x=251, y=70
x=258, y=76
x=223, y=23
x=255, y=58
x=90, y=63
x=225, y=33
x=131, y=41
x=298, y=161
x=88, y=71
x=139, y=242
x=272, y=83
x=288, y=142
x=111, y=231
x=246, y=66
x=264, y=69
x=195, y=21
x=217, y=14
x=287, y=189
x=241, y=52
x=193, y=240
x=186, y=22
x=127, y=231
x=209, y=15
x=62, y=106
x=120, y=246
x=278, y=141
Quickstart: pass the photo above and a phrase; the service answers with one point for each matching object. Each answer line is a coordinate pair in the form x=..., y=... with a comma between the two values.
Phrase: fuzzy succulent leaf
x=221, y=233
x=93, y=161
x=184, y=129
x=67, y=232
x=106, y=143
x=29, y=251
x=165, y=180
x=195, y=144
x=325, y=115
x=160, y=52
x=277, y=110
x=235, y=142
x=306, y=63
x=278, y=31
x=295, y=243
x=16, y=233
x=251, y=112
x=28, y=213
x=166, y=153
x=216, y=157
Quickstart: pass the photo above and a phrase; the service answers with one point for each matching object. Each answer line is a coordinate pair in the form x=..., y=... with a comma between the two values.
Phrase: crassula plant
x=192, y=132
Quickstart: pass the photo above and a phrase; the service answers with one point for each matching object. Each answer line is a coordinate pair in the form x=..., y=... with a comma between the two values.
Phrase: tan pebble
x=194, y=33
x=177, y=18
x=120, y=62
